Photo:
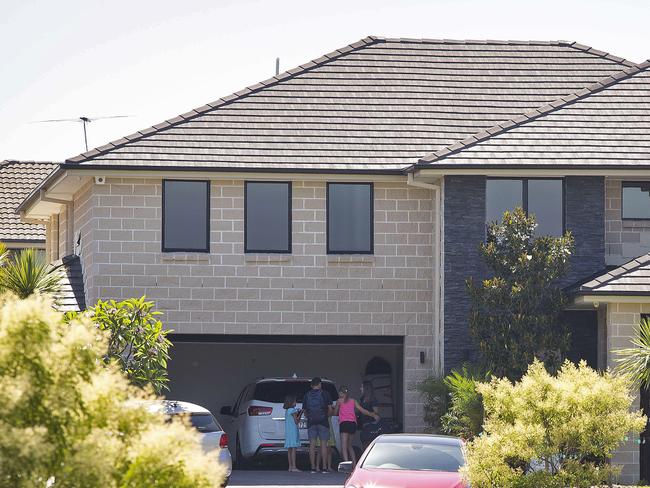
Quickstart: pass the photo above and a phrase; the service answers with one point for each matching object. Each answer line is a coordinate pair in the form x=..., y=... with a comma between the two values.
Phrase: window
x=185, y=219
x=267, y=216
x=636, y=200
x=543, y=198
x=349, y=218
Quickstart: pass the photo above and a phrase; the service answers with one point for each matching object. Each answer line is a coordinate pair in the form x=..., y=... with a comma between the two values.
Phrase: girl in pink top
x=346, y=408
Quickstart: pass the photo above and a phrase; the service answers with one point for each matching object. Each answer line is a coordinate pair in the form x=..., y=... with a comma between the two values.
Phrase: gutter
x=438, y=282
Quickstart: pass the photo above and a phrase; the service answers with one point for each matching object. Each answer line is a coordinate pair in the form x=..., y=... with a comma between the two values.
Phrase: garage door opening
x=212, y=370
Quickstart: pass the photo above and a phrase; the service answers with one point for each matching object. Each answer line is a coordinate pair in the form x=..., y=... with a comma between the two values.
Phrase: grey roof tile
x=71, y=296
x=17, y=180
x=378, y=103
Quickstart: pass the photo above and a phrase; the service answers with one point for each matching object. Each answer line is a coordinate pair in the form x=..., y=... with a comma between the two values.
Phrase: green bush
x=137, y=340
x=551, y=431
x=69, y=420
x=452, y=404
x=27, y=272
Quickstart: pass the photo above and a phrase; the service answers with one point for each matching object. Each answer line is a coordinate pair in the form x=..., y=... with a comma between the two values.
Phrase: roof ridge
x=534, y=114
x=326, y=58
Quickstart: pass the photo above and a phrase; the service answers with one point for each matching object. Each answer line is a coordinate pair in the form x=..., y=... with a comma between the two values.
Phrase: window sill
x=350, y=258
x=185, y=257
x=267, y=258
x=636, y=223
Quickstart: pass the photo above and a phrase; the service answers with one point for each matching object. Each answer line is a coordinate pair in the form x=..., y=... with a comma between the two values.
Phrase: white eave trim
x=555, y=172
x=596, y=299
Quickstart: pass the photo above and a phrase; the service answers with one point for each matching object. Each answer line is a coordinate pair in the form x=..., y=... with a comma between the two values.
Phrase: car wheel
x=240, y=461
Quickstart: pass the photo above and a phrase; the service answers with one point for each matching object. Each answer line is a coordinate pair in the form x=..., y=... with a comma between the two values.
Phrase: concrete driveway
x=277, y=478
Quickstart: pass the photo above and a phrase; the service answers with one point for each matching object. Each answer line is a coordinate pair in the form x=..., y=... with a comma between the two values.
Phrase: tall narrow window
x=350, y=218
x=543, y=198
x=636, y=200
x=186, y=216
x=267, y=216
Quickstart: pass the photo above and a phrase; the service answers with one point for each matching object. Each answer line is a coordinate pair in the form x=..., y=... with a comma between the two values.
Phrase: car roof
x=174, y=407
x=421, y=438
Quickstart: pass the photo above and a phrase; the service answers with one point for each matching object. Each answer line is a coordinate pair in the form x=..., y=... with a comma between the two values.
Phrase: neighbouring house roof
x=378, y=104
x=71, y=296
x=17, y=180
x=631, y=278
x=604, y=125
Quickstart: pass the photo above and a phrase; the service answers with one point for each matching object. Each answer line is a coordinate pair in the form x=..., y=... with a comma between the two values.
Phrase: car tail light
x=259, y=411
x=223, y=441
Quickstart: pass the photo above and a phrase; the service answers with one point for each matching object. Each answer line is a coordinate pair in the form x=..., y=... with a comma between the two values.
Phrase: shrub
x=27, y=272
x=137, y=341
x=551, y=431
x=634, y=362
x=515, y=315
x=452, y=405
x=69, y=420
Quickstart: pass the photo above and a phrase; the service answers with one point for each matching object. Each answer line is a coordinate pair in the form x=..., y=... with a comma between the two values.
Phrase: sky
x=152, y=60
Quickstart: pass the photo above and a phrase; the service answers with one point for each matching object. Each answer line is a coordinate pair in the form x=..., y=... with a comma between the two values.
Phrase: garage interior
x=211, y=370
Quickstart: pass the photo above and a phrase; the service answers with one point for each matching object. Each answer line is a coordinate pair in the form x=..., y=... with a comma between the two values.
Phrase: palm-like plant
x=27, y=272
x=634, y=362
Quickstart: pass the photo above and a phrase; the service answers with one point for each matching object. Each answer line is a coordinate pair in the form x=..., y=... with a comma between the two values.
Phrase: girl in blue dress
x=291, y=432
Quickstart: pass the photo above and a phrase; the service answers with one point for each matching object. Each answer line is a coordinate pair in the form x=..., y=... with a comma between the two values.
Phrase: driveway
x=277, y=478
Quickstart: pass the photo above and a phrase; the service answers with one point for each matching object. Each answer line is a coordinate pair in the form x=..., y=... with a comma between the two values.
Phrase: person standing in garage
x=318, y=408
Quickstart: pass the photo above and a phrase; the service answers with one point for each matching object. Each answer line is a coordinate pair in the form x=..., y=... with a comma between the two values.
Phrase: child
x=346, y=409
x=291, y=432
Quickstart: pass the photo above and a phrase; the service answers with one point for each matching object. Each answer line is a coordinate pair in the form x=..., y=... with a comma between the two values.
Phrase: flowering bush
x=137, y=341
x=70, y=420
x=551, y=431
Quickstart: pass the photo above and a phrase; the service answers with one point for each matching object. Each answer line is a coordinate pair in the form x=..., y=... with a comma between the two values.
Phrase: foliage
x=27, y=272
x=634, y=362
x=515, y=315
x=551, y=431
x=68, y=420
x=451, y=403
x=464, y=417
x=137, y=340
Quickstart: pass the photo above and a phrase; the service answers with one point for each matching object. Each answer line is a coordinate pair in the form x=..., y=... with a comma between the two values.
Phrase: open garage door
x=211, y=370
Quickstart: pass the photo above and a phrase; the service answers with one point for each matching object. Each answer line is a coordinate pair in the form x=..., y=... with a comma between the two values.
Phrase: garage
x=211, y=370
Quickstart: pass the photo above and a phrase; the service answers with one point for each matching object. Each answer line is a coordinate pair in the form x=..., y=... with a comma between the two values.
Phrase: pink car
x=408, y=461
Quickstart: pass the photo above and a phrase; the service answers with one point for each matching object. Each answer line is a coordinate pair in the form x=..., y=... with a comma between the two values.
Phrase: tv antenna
x=84, y=121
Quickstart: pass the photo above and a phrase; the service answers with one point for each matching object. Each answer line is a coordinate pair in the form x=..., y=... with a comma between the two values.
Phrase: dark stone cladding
x=464, y=229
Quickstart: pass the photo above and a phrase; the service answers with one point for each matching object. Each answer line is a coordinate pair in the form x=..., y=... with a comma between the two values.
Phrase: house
x=17, y=179
x=324, y=221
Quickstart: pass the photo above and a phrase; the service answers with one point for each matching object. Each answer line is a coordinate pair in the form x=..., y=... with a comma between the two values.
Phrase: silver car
x=213, y=437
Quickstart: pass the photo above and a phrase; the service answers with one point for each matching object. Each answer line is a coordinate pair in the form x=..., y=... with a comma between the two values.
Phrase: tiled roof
x=605, y=124
x=378, y=103
x=71, y=296
x=632, y=278
x=17, y=180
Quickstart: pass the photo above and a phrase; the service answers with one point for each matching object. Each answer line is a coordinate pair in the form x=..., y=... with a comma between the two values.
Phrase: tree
x=69, y=420
x=27, y=272
x=137, y=341
x=634, y=362
x=551, y=431
x=515, y=315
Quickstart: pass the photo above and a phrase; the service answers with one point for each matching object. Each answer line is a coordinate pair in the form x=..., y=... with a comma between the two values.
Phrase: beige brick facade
x=306, y=292
x=622, y=318
x=624, y=240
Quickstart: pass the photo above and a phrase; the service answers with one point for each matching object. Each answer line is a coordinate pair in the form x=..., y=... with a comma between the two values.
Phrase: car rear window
x=415, y=456
x=204, y=422
x=277, y=391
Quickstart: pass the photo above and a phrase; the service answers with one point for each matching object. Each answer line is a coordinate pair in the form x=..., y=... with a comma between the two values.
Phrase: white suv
x=213, y=438
x=255, y=422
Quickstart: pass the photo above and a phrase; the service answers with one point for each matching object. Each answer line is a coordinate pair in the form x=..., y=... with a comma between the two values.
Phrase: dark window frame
x=372, y=216
x=207, y=219
x=289, y=217
x=631, y=184
x=524, y=196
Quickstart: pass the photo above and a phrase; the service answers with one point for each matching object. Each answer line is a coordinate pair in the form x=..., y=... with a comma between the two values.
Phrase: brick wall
x=306, y=292
x=624, y=240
